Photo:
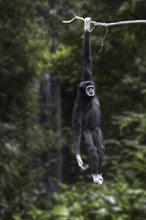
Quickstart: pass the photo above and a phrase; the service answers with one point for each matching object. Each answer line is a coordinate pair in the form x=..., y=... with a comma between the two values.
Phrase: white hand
x=80, y=162
x=87, y=24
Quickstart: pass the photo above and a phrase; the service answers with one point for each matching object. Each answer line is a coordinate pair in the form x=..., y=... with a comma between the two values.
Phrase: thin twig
x=73, y=19
x=104, y=24
x=103, y=41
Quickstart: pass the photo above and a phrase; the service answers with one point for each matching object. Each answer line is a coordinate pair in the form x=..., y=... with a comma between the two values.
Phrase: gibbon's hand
x=80, y=162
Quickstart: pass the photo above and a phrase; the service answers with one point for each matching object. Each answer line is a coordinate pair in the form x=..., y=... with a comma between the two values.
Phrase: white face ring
x=90, y=90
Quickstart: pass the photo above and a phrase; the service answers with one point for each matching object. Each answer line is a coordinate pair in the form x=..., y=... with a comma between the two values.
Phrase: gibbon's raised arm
x=87, y=60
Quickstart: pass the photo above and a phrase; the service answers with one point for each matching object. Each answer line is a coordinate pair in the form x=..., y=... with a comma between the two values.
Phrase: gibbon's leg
x=98, y=141
x=92, y=151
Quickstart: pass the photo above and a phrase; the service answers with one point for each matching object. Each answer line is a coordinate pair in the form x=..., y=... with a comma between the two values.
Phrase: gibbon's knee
x=87, y=138
x=92, y=151
x=101, y=153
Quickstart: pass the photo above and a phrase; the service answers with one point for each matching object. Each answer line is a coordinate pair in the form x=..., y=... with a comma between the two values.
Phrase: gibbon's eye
x=90, y=88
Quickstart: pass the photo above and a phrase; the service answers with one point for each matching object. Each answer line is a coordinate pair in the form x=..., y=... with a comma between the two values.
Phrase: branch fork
x=104, y=24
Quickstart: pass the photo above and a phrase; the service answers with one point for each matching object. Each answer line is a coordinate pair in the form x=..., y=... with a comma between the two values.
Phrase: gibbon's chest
x=91, y=117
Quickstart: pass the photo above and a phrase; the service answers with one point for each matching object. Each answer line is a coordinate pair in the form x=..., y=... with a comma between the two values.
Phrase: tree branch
x=103, y=24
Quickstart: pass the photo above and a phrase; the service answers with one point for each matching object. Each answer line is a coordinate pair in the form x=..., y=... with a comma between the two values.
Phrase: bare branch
x=73, y=19
x=120, y=23
x=70, y=21
x=104, y=24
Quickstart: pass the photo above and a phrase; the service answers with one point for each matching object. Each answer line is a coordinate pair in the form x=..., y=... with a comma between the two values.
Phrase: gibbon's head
x=87, y=88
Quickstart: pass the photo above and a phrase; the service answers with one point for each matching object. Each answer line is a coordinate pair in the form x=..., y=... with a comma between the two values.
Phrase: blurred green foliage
x=87, y=201
x=35, y=41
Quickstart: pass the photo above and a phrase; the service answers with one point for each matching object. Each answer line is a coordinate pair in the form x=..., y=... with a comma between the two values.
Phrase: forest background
x=41, y=65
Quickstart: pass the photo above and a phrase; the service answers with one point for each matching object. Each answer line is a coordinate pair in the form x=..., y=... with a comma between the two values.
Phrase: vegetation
x=39, y=175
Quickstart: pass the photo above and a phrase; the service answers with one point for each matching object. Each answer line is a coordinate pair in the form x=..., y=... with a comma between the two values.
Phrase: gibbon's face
x=87, y=89
x=90, y=90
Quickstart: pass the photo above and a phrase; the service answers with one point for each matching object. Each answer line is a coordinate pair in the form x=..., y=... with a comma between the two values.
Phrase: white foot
x=97, y=178
x=87, y=24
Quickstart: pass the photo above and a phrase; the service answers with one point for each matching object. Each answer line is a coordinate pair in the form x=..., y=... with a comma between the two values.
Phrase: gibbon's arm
x=80, y=162
x=87, y=60
x=77, y=129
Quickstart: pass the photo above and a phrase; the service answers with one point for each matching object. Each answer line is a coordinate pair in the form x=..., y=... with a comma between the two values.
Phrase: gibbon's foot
x=97, y=178
x=87, y=24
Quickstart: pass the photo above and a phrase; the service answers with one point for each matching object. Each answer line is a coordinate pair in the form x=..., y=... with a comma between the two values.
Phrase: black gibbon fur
x=86, y=118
